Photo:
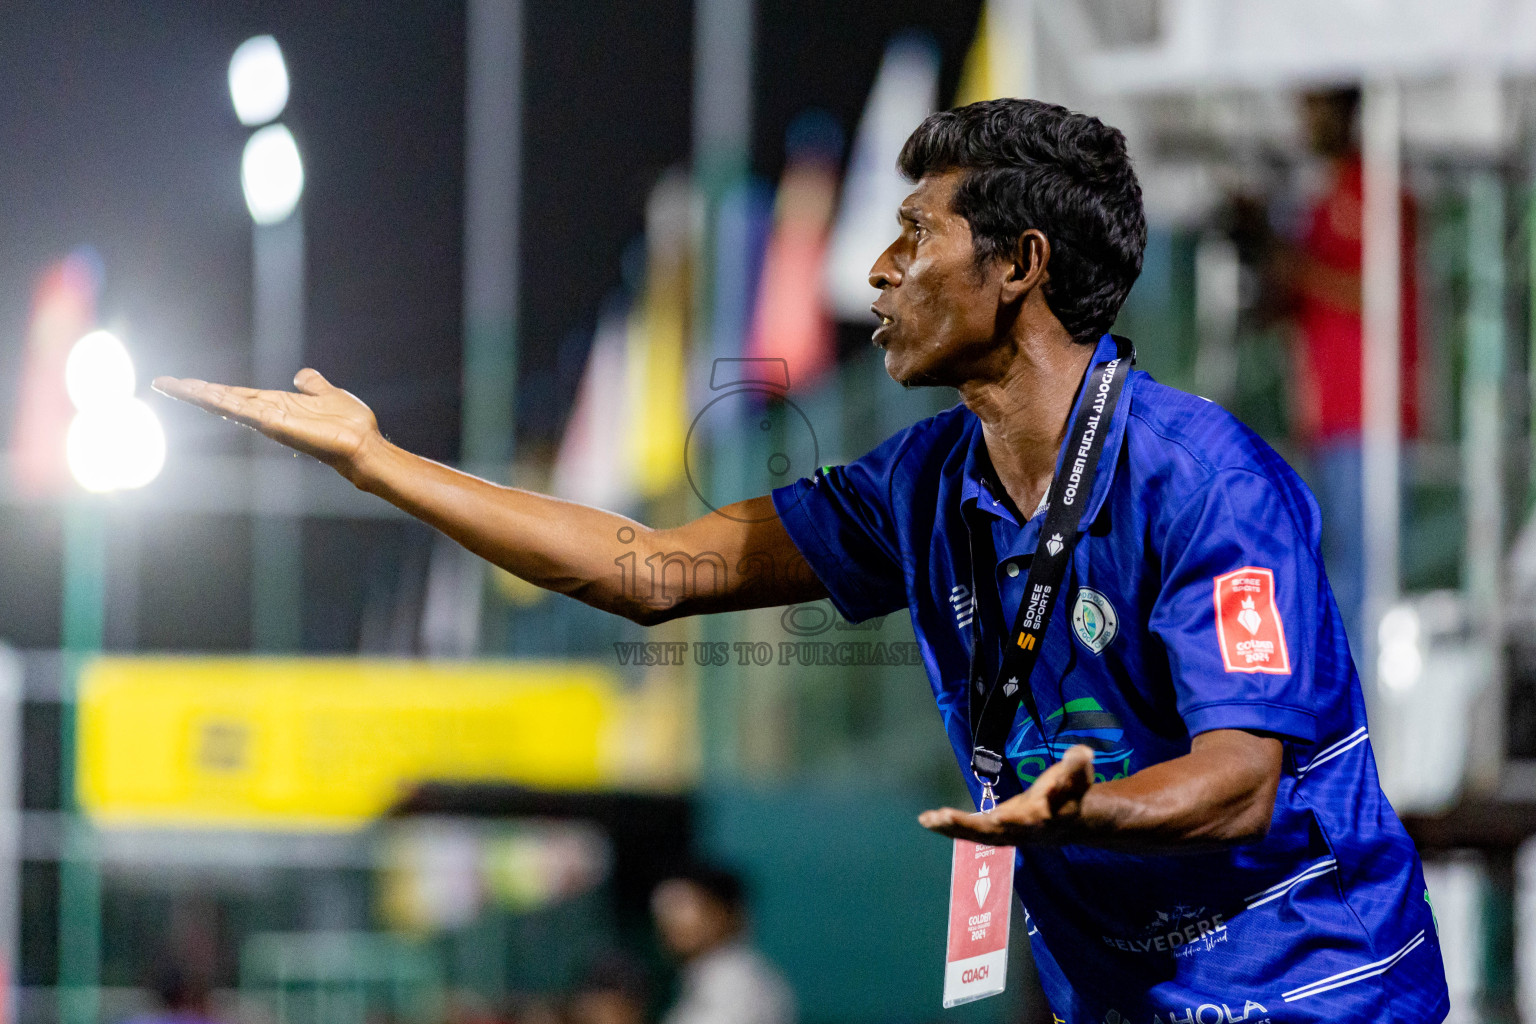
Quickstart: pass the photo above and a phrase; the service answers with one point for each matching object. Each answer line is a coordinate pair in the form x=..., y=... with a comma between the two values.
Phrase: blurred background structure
x=271, y=752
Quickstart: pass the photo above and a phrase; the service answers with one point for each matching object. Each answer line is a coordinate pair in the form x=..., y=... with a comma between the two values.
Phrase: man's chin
x=907, y=372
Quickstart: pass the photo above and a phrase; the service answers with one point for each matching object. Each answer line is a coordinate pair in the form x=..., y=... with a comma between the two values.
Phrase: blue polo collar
x=976, y=492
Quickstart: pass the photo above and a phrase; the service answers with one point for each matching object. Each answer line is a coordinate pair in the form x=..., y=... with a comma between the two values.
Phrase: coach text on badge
x=980, y=903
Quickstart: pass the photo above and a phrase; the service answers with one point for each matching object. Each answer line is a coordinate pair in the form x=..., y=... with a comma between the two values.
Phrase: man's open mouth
x=879, y=336
x=886, y=320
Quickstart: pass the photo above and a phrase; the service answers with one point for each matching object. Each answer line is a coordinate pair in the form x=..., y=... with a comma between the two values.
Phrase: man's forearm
x=716, y=563
x=559, y=545
x=1220, y=794
x=739, y=556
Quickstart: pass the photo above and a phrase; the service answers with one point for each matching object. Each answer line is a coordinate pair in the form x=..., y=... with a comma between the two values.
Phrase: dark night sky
x=117, y=131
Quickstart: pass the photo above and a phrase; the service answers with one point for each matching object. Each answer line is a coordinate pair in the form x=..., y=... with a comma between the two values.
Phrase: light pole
x=114, y=443
x=272, y=178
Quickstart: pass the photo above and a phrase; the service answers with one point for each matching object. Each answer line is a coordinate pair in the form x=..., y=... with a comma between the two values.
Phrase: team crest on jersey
x=1094, y=620
x=1248, y=627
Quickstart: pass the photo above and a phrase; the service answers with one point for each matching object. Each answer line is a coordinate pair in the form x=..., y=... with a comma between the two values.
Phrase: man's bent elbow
x=1239, y=779
x=1250, y=824
x=1240, y=820
x=1238, y=830
x=1249, y=830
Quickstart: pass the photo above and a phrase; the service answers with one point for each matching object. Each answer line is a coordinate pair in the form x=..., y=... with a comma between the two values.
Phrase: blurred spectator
x=613, y=992
x=702, y=917
x=1320, y=274
x=180, y=998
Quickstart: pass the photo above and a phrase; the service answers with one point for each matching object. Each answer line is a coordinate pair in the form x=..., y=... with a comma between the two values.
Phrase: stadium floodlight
x=115, y=441
x=271, y=174
x=118, y=447
x=1400, y=662
x=258, y=81
x=98, y=371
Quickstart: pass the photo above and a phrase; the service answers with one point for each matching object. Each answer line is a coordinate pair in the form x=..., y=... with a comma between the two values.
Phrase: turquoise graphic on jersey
x=1083, y=720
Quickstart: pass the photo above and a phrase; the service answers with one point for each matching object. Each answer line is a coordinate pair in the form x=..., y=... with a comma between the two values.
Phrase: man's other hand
x=1044, y=812
x=1222, y=793
x=320, y=419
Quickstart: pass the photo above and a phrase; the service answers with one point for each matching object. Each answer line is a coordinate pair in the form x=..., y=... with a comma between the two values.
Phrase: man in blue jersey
x=1186, y=771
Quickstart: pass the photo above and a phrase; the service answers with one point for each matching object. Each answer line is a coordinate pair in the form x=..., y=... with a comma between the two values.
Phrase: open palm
x=319, y=419
x=1046, y=810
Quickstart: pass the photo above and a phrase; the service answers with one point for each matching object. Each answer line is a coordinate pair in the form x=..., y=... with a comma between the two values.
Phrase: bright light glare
x=115, y=447
x=258, y=81
x=271, y=174
x=98, y=371
x=1400, y=662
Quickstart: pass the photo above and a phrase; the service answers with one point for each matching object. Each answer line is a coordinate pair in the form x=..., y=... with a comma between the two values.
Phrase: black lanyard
x=993, y=708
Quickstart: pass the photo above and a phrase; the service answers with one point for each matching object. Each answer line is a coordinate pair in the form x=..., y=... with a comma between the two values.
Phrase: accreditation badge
x=980, y=903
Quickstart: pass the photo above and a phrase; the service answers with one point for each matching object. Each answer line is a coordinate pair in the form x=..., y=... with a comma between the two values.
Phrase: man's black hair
x=725, y=887
x=1029, y=164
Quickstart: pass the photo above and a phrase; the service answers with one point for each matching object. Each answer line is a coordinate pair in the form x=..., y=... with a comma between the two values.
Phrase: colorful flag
x=742, y=226
x=904, y=93
x=625, y=438
x=63, y=311
x=657, y=362
x=590, y=467
x=999, y=63
x=790, y=321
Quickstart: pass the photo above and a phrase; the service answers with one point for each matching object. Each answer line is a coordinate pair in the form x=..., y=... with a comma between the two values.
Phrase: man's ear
x=1027, y=269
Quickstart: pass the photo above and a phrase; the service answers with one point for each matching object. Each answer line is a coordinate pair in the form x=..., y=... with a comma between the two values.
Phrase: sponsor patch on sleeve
x=1248, y=626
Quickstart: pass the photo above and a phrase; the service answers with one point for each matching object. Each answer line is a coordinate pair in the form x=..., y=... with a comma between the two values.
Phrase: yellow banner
x=333, y=743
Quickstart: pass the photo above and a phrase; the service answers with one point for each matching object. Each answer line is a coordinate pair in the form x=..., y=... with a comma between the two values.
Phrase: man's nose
x=884, y=273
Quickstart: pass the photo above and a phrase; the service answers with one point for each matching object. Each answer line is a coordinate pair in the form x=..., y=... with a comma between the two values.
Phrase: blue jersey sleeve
x=1238, y=610
x=842, y=520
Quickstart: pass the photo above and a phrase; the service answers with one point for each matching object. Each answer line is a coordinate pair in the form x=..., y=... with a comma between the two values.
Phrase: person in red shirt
x=1322, y=272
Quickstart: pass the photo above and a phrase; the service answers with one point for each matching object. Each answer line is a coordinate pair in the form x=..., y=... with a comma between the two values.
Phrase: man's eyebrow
x=907, y=212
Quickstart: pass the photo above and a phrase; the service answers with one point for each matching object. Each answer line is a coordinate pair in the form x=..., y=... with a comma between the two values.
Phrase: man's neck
x=1023, y=408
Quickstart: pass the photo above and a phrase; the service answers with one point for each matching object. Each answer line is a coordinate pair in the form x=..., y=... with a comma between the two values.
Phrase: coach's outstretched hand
x=558, y=545
x=319, y=419
x=1045, y=812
